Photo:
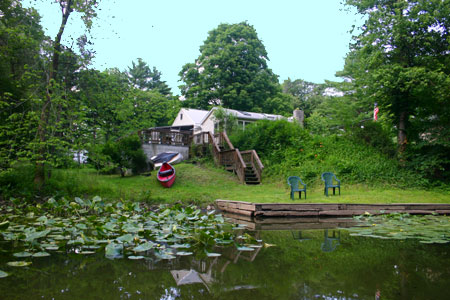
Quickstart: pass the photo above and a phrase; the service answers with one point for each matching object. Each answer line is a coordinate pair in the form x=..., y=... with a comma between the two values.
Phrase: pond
x=290, y=264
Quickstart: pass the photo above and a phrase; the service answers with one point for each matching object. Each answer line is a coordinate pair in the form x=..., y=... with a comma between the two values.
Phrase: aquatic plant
x=429, y=229
x=120, y=229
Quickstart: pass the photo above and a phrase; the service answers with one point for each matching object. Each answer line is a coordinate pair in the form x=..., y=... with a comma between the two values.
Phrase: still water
x=292, y=264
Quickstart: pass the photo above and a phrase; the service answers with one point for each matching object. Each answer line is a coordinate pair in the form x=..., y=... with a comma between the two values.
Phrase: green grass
x=202, y=184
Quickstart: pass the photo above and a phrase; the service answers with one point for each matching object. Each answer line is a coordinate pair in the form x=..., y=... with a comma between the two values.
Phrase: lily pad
x=22, y=254
x=113, y=250
x=3, y=274
x=144, y=247
x=19, y=263
x=41, y=254
x=182, y=253
x=86, y=252
x=243, y=248
x=52, y=248
x=136, y=257
x=212, y=254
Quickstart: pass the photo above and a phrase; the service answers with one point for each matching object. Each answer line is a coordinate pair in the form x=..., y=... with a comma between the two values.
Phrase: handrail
x=255, y=154
x=225, y=137
x=231, y=158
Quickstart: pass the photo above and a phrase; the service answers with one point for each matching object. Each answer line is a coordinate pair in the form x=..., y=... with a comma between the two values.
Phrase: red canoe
x=166, y=175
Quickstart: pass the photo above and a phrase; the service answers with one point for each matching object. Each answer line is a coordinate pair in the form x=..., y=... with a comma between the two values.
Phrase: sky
x=304, y=39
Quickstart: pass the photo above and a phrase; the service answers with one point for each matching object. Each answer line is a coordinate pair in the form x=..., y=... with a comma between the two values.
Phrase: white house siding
x=188, y=116
x=183, y=118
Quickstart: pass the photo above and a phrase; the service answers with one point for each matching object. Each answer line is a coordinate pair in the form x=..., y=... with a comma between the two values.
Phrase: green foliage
x=127, y=153
x=84, y=226
x=231, y=71
x=142, y=77
x=401, y=226
x=286, y=150
x=227, y=121
x=374, y=135
x=17, y=181
x=400, y=60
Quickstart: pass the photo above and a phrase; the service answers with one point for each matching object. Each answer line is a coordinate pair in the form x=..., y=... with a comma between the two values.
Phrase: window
x=181, y=116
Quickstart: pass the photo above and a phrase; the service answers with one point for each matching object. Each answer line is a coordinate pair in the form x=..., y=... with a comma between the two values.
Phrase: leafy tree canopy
x=401, y=61
x=141, y=76
x=231, y=71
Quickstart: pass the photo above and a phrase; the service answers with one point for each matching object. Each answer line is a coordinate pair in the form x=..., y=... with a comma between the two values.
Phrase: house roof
x=245, y=115
x=196, y=115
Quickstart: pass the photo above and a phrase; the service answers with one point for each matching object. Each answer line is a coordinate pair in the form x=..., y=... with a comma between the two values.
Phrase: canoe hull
x=170, y=157
x=166, y=175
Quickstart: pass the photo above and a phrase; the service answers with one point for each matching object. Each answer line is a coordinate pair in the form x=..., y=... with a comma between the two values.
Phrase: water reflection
x=330, y=242
x=304, y=264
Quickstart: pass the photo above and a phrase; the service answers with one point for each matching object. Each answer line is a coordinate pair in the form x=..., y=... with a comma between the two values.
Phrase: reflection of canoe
x=166, y=175
x=170, y=157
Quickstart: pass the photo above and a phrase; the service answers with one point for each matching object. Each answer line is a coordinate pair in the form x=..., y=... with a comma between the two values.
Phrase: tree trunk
x=401, y=134
x=39, y=176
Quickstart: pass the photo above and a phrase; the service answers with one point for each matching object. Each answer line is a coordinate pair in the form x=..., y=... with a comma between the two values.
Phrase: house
x=204, y=121
x=190, y=116
x=209, y=123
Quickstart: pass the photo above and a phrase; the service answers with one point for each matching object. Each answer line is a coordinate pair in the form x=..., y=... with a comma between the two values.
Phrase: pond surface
x=292, y=264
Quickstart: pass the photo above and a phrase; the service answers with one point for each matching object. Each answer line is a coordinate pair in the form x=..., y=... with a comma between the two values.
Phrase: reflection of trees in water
x=289, y=270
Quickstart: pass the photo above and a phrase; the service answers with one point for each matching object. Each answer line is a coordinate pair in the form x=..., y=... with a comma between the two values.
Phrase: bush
x=127, y=153
x=17, y=181
x=286, y=150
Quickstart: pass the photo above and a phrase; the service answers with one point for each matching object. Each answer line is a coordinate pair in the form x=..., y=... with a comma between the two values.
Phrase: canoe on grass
x=166, y=175
x=170, y=157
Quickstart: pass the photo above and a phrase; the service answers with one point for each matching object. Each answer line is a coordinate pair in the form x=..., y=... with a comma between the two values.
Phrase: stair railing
x=251, y=158
x=231, y=158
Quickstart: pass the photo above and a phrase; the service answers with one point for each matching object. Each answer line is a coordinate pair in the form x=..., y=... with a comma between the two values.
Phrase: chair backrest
x=328, y=178
x=293, y=181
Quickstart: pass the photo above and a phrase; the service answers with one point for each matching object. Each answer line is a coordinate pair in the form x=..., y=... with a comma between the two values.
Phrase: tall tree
x=21, y=79
x=87, y=9
x=141, y=76
x=401, y=60
x=231, y=71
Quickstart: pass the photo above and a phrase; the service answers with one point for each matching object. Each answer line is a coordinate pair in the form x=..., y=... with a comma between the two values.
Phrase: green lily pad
x=144, y=247
x=113, y=250
x=52, y=248
x=177, y=246
x=19, y=263
x=127, y=238
x=182, y=253
x=243, y=248
x=212, y=254
x=136, y=257
x=41, y=254
x=22, y=254
x=3, y=274
x=87, y=252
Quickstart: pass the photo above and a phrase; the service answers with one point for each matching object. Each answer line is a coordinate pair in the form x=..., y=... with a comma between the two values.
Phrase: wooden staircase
x=245, y=164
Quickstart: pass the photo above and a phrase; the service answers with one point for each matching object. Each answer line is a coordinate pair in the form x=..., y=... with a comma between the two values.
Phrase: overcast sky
x=304, y=39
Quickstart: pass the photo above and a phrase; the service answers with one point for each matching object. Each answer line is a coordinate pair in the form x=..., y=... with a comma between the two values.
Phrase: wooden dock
x=250, y=209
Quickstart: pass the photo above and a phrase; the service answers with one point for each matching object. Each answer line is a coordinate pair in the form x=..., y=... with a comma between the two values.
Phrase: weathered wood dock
x=290, y=223
x=327, y=209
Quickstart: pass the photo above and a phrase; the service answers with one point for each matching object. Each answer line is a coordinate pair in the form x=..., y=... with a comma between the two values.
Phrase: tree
x=307, y=95
x=142, y=77
x=400, y=60
x=21, y=80
x=45, y=133
x=231, y=71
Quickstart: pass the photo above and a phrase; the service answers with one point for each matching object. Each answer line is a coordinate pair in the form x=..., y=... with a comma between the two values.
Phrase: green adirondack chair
x=327, y=177
x=294, y=182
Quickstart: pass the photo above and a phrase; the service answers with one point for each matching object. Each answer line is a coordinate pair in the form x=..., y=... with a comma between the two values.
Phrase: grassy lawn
x=204, y=184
